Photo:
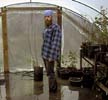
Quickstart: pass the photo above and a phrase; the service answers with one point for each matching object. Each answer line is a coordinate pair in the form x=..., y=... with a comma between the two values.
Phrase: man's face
x=48, y=20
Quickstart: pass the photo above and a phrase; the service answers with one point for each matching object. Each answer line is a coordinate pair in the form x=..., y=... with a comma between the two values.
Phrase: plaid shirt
x=51, y=42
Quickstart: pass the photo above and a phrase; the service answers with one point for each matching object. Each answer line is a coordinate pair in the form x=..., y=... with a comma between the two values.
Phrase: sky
x=89, y=2
x=95, y=3
x=70, y=4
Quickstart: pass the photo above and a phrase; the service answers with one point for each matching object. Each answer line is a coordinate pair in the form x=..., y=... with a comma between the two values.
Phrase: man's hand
x=50, y=60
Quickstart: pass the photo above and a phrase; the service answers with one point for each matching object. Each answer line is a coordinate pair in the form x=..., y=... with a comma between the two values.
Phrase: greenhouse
x=80, y=30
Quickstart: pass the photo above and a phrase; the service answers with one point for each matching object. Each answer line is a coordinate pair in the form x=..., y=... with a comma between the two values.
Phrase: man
x=51, y=47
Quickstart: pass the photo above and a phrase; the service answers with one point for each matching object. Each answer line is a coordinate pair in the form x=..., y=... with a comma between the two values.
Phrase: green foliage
x=101, y=25
x=69, y=60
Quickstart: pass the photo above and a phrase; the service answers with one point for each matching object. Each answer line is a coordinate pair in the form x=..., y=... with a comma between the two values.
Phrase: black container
x=75, y=81
x=38, y=73
x=104, y=48
x=93, y=50
x=88, y=71
x=76, y=73
x=88, y=80
x=102, y=57
x=64, y=73
x=88, y=77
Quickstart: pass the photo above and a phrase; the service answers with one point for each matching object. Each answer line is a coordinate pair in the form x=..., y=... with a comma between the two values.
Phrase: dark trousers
x=49, y=66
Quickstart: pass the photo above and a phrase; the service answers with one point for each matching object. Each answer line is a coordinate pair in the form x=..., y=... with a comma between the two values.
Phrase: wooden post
x=0, y=13
x=59, y=16
x=59, y=22
x=81, y=59
x=7, y=86
x=5, y=40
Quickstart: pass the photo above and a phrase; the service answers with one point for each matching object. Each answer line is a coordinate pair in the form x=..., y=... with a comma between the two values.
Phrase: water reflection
x=57, y=95
x=67, y=94
x=5, y=88
x=18, y=88
x=38, y=88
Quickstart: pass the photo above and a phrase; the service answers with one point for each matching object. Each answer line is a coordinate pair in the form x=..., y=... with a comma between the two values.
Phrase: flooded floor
x=21, y=86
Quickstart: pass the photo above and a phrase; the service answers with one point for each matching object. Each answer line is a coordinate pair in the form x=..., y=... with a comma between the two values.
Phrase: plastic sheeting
x=24, y=33
x=25, y=38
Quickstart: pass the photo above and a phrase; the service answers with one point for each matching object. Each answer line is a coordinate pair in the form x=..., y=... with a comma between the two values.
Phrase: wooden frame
x=59, y=21
x=0, y=14
x=59, y=16
x=30, y=8
x=5, y=40
x=4, y=27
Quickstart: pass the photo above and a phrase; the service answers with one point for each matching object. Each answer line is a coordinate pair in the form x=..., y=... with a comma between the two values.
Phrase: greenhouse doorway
x=22, y=26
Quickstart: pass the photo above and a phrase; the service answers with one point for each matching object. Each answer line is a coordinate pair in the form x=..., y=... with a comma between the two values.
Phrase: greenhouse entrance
x=81, y=74
x=22, y=35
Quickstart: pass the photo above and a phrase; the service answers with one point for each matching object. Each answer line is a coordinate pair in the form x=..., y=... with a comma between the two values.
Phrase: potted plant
x=69, y=65
x=63, y=72
x=75, y=77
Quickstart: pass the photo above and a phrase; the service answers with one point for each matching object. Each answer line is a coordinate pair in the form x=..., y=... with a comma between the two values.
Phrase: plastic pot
x=38, y=73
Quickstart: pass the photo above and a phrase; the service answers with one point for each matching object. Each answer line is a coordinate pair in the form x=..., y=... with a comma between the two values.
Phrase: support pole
x=59, y=21
x=5, y=40
x=81, y=59
x=59, y=16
